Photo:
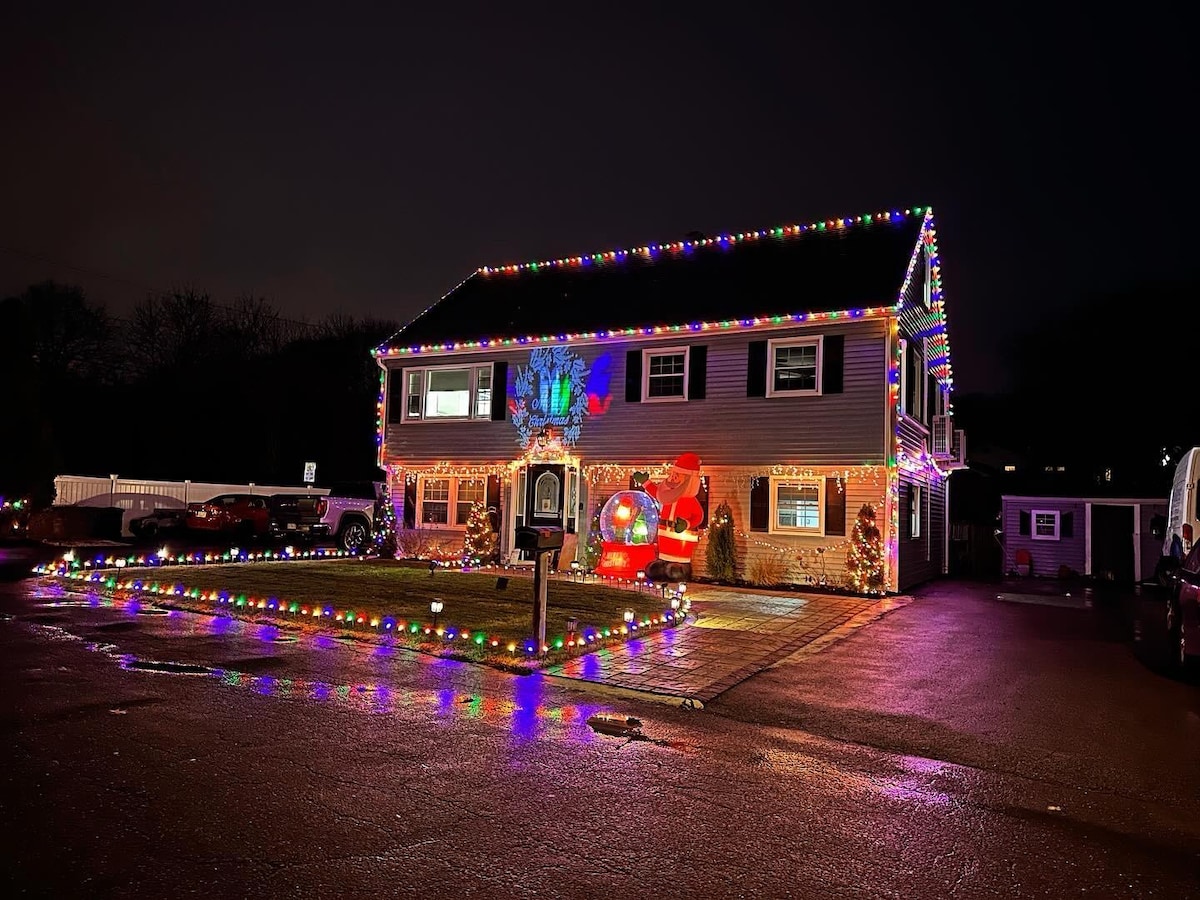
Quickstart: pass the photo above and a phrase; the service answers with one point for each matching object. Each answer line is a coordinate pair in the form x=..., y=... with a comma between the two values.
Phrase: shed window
x=1046, y=524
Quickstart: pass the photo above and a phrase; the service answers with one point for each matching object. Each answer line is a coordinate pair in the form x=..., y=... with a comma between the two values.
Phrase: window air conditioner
x=958, y=448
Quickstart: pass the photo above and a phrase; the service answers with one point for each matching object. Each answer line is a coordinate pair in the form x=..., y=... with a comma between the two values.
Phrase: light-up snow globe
x=628, y=534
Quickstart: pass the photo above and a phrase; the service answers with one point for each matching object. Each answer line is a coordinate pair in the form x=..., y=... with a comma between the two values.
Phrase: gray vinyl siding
x=725, y=428
x=1046, y=556
x=922, y=558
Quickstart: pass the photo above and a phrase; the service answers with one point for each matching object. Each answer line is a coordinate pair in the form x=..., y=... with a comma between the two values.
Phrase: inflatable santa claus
x=680, y=514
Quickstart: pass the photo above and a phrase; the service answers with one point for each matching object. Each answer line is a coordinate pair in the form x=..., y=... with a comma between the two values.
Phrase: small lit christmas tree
x=384, y=537
x=864, y=562
x=478, y=541
x=593, y=549
x=720, y=559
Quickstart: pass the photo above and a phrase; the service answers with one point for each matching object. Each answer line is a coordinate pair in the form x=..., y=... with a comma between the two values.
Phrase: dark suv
x=298, y=514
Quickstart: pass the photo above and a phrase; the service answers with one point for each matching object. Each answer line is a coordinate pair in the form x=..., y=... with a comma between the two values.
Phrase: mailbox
x=539, y=538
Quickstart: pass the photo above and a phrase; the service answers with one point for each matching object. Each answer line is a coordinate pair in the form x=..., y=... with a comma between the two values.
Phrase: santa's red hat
x=687, y=463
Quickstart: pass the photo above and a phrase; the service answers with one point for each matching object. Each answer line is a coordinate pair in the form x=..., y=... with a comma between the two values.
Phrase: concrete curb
x=623, y=693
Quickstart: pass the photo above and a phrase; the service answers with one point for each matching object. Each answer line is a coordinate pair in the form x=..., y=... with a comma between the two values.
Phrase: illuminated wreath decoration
x=551, y=390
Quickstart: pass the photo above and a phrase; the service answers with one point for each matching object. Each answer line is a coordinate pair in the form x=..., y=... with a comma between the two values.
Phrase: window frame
x=474, y=412
x=910, y=346
x=1033, y=524
x=916, y=511
x=647, y=354
x=451, y=501
x=816, y=340
x=778, y=481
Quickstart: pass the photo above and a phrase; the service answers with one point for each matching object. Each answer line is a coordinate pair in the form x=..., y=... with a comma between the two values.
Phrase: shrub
x=768, y=568
x=720, y=558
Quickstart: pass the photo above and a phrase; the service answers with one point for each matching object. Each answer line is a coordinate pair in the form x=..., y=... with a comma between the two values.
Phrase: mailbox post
x=542, y=541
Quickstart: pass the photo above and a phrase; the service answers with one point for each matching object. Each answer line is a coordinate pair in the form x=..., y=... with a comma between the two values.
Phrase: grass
x=378, y=588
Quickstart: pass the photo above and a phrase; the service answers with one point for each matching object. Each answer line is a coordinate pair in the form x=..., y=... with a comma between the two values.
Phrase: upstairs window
x=794, y=366
x=912, y=377
x=665, y=374
x=448, y=392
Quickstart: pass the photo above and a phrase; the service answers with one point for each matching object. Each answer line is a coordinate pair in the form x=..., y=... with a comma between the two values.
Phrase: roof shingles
x=802, y=269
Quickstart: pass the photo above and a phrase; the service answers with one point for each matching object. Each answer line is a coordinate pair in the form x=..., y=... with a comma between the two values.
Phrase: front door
x=546, y=494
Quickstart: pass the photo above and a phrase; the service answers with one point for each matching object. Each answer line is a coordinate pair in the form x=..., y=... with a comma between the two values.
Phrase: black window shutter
x=499, y=391
x=410, y=504
x=835, y=507
x=833, y=348
x=632, y=486
x=1023, y=522
x=1066, y=525
x=760, y=505
x=697, y=373
x=906, y=508
x=395, y=395
x=756, y=369
x=702, y=499
x=493, y=501
x=633, y=376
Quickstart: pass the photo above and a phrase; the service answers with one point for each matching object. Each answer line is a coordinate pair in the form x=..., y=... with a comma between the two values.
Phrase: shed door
x=1112, y=543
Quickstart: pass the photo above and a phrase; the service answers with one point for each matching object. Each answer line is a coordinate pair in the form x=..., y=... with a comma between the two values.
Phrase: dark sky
x=364, y=159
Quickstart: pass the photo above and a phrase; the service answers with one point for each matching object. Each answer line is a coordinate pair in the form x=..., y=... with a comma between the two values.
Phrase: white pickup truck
x=350, y=512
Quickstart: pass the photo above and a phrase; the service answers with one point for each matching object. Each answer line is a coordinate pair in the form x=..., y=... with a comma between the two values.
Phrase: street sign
x=310, y=472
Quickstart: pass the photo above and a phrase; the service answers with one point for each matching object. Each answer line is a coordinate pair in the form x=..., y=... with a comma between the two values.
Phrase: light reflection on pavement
x=367, y=677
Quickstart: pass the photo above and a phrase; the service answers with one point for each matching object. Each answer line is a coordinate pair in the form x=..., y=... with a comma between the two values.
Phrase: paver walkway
x=732, y=634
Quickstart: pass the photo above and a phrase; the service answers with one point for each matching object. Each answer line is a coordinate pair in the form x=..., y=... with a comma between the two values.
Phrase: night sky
x=365, y=159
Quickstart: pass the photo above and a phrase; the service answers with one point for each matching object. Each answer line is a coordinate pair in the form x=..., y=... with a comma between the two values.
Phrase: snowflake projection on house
x=551, y=390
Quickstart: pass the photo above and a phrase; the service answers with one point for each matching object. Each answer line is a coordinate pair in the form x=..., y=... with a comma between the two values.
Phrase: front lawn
x=376, y=589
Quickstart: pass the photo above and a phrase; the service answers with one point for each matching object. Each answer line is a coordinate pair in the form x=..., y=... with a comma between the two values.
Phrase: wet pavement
x=731, y=635
x=958, y=746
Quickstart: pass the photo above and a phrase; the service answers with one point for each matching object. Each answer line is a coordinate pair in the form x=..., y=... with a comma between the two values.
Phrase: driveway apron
x=732, y=634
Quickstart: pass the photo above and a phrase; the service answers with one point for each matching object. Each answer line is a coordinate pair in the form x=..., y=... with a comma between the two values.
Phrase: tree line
x=182, y=387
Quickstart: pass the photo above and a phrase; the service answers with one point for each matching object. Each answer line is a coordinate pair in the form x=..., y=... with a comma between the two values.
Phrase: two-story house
x=806, y=365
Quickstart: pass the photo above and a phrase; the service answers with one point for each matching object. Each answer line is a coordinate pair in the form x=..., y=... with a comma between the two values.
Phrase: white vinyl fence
x=137, y=497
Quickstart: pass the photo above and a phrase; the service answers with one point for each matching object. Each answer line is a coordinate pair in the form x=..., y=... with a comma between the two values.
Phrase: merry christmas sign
x=551, y=390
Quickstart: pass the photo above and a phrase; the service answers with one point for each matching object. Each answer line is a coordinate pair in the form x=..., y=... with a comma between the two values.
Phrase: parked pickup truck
x=298, y=515
x=351, y=511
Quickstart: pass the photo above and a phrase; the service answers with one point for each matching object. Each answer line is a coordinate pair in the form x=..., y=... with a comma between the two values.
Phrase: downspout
x=946, y=528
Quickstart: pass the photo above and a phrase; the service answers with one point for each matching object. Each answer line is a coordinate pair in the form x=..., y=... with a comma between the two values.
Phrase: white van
x=1183, y=509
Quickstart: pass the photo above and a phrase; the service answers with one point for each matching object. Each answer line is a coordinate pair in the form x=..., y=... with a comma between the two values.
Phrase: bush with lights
x=721, y=557
x=864, y=561
x=593, y=550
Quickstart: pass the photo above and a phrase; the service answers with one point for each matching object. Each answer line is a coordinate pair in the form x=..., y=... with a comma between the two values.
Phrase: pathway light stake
x=435, y=607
